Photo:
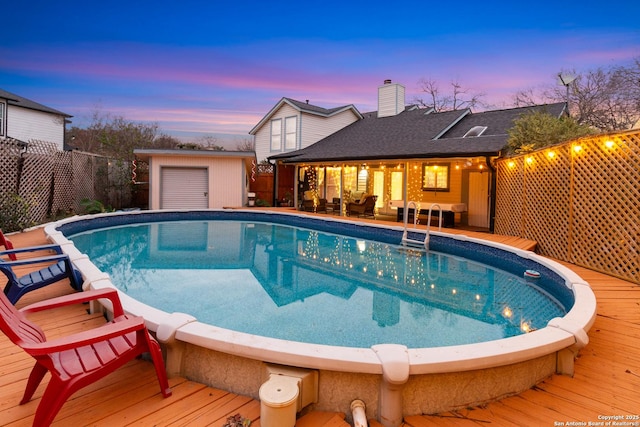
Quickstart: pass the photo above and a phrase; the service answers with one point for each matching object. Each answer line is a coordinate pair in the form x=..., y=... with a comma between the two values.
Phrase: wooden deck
x=606, y=383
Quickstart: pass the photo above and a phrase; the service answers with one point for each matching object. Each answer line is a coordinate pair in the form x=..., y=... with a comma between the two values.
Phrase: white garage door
x=184, y=188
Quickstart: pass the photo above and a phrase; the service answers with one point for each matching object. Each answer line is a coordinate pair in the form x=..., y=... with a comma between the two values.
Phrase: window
x=291, y=132
x=276, y=135
x=3, y=108
x=397, y=185
x=435, y=177
x=363, y=176
x=475, y=131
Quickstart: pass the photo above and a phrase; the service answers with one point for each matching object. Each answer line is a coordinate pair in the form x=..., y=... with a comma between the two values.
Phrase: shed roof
x=145, y=153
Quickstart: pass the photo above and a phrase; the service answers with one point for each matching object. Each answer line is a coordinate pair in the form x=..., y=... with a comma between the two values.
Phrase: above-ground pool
x=321, y=288
x=405, y=331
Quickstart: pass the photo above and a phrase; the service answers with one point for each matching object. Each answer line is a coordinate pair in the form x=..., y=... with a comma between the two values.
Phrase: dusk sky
x=216, y=68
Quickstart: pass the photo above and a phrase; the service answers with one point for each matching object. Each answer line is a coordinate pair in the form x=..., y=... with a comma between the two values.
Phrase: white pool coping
x=392, y=361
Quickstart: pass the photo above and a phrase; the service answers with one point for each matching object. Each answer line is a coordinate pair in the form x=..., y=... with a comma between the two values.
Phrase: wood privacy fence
x=52, y=182
x=579, y=200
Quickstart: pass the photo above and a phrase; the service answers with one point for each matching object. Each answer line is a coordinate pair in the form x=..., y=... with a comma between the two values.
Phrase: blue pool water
x=298, y=284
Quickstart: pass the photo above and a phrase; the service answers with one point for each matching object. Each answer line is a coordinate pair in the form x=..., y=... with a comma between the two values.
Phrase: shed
x=197, y=179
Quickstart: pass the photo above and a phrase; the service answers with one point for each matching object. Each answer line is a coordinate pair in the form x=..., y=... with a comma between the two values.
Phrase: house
x=197, y=179
x=404, y=153
x=26, y=120
x=292, y=125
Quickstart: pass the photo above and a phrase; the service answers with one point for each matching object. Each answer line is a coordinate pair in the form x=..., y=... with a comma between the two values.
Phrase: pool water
x=301, y=285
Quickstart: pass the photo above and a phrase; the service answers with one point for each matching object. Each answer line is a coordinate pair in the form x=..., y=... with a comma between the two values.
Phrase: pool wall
x=392, y=380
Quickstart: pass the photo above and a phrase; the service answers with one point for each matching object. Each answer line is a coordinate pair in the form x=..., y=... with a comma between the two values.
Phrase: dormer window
x=475, y=131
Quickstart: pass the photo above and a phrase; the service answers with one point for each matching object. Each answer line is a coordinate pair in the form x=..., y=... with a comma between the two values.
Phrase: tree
x=606, y=98
x=209, y=143
x=539, y=129
x=114, y=136
x=246, y=144
x=459, y=98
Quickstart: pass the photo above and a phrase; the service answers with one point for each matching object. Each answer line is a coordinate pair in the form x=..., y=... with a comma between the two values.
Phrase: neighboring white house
x=25, y=120
x=291, y=125
x=197, y=179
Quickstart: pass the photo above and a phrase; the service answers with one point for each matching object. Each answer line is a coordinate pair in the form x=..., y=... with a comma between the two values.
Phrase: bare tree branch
x=458, y=99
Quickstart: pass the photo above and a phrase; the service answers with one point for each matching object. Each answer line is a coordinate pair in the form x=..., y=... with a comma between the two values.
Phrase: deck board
x=606, y=380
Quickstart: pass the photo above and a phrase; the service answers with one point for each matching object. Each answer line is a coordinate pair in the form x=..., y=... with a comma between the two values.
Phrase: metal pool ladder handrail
x=439, y=216
x=412, y=242
x=405, y=234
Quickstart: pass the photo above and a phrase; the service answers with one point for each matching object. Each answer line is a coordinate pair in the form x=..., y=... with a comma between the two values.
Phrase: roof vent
x=387, y=81
x=475, y=131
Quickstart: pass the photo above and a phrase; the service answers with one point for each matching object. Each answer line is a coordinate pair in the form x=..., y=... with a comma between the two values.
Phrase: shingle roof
x=498, y=122
x=19, y=101
x=416, y=133
x=373, y=137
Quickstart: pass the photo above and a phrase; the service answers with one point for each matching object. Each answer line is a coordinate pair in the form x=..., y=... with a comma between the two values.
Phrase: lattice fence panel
x=10, y=150
x=547, y=201
x=509, y=218
x=64, y=194
x=581, y=206
x=36, y=179
x=52, y=182
x=84, y=183
x=606, y=197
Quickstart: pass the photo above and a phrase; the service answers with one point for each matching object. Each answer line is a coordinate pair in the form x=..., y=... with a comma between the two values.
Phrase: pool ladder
x=406, y=241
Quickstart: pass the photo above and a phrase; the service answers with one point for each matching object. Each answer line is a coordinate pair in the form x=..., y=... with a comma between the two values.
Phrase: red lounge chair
x=7, y=246
x=57, y=267
x=80, y=359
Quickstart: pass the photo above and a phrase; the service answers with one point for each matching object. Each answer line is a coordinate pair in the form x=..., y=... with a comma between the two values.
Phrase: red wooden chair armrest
x=81, y=297
x=102, y=333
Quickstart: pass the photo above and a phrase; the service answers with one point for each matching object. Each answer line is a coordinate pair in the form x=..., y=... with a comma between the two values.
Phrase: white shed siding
x=226, y=178
x=25, y=124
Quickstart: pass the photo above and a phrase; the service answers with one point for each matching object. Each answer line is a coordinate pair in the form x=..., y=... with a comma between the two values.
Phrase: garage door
x=184, y=188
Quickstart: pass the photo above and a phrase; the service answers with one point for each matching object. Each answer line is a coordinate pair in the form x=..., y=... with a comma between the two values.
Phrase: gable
x=302, y=107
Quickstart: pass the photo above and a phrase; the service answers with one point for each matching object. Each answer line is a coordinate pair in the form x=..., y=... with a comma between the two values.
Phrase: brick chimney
x=390, y=99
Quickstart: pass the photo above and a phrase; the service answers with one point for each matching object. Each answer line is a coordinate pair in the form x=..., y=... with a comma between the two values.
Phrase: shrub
x=14, y=213
x=536, y=130
x=91, y=206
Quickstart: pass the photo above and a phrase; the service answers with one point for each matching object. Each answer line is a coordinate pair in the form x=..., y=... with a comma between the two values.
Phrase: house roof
x=20, y=101
x=498, y=122
x=416, y=133
x=145, y=153
x=306, y=108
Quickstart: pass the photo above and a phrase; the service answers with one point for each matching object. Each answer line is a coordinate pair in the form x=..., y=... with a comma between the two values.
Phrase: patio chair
x=311, y=203
x=366, y=206
x=58, y=267
x=77, y=360
x=7, y=245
